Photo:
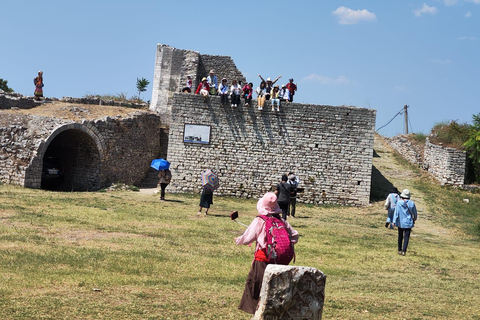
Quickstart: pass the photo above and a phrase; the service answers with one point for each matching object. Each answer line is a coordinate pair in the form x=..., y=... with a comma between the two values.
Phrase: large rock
x=290, y=292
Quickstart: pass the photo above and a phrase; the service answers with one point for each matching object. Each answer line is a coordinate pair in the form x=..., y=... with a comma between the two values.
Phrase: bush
x=450, y=134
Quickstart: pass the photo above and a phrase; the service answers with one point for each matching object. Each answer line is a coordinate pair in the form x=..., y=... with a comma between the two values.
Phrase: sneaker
x=278, y=109
x=232, y=105
x=386, y=224
x=400, y=253
x=403, y=253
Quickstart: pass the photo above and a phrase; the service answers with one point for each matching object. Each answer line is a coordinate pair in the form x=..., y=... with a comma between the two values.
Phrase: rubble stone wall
x=447, y=165
x=330, y=149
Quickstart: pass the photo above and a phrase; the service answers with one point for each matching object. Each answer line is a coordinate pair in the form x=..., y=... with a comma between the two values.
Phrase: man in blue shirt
x=404, y=218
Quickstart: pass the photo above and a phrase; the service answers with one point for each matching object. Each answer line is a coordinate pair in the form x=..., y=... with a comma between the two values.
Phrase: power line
x=398, y=113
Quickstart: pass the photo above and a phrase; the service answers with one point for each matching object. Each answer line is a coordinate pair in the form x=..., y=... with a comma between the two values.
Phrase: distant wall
x=447, y=165
x=330, y=149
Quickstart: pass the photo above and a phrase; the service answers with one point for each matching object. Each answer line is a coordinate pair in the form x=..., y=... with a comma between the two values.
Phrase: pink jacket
x=256, y=232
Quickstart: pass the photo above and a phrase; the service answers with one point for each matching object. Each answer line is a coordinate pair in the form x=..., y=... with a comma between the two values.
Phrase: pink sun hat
x=268, y=204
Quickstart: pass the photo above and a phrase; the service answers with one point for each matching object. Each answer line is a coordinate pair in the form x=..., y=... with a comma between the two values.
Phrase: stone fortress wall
x=94, y=153
x=447, y=165
x=329, y=148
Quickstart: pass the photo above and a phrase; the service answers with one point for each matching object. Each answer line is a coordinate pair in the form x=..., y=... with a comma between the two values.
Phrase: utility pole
x=405, y=112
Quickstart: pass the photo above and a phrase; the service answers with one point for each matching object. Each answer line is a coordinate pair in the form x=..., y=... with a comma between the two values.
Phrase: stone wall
x=447, y=165
x=330, y=149
x=94, y=153
x=411, y=152
x=170, y=75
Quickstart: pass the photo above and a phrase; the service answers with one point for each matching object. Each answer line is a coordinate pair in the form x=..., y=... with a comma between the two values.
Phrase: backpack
x=279, y=248
x=168, y=176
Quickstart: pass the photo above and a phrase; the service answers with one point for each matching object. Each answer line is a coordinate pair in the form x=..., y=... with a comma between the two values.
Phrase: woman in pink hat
x=268, y=209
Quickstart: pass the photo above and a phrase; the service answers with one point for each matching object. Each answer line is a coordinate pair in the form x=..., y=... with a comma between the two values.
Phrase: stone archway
x=69, y=160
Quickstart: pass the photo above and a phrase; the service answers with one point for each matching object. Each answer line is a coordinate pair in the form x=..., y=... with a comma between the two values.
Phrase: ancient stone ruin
x=290, y=292
x=329, y=147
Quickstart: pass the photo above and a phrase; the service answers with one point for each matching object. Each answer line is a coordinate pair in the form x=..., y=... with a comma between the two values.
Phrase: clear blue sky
x=374, y=54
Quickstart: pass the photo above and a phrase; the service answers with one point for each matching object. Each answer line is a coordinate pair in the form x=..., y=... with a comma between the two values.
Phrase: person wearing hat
x=292, y=87
x=212, y=82
x=404, y=218
x=275, y=94
x=203, y=89
x=266, y=206
x=38, y=82
x=269, y=87
x=223, y=92
x=390, y=204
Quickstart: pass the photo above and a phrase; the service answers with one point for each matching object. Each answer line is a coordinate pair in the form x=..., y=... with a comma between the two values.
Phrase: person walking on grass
x=268, y=218
x=206, y=199
x=390, y=205
x=404, y=218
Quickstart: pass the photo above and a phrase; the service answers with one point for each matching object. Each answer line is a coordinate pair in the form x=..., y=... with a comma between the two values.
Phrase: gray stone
x=290, y=292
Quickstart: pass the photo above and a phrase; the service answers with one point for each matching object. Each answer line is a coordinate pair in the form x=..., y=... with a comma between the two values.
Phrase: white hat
x=405, y=194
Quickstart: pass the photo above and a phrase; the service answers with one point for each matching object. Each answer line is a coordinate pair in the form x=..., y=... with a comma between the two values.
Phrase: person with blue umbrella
x=165, y=175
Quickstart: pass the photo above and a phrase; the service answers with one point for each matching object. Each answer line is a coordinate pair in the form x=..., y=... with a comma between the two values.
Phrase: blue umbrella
x=160, y=164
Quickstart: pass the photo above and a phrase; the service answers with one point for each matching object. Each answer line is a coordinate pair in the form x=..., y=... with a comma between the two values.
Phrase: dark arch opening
x=71, y=163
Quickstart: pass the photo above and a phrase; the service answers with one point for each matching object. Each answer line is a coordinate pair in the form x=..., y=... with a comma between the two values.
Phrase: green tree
x=142, y=85
x=4, y=86
x=472, y=145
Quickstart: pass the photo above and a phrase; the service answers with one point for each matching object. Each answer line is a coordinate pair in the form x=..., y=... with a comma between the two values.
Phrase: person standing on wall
x=38, y=82
x=269, y=86
x=165, y=178
x=293, y=181
x=292, y=88
x=390, y=205
x=283, y=192
x=404, y=218
x=212, y=83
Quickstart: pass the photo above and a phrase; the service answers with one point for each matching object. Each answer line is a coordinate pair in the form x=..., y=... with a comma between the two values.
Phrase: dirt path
x=402, y=178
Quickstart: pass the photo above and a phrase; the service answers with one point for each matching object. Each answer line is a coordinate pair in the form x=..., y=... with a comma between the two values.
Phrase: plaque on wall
x=194, y=133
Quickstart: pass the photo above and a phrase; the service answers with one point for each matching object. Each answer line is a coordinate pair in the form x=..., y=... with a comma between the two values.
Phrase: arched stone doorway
x=70, y=160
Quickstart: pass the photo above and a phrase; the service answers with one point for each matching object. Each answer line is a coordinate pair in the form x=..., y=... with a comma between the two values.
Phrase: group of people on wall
x=232, y=93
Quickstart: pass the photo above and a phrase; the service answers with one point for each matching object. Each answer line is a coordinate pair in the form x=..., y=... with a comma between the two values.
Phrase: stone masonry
x=447, y=165
x=172, y=67
x=95, y=153
x=330, y=149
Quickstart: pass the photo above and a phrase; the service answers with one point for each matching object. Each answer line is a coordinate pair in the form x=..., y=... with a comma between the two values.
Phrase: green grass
x=125, y=255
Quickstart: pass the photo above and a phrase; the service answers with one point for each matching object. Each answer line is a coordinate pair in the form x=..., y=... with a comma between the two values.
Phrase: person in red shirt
x=292, y=87
x=203, y=89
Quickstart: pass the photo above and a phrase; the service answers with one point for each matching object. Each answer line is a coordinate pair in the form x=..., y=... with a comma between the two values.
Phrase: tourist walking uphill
x=404, y=218
x=266, y=224
x=390, y=205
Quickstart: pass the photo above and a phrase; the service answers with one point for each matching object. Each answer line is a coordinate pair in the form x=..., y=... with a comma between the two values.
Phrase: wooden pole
x=405, y=112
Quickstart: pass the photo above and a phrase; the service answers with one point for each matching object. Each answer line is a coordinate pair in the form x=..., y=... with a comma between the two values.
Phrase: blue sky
x=373, y=54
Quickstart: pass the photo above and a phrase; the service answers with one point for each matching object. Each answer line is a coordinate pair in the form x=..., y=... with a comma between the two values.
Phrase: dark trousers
x=235, y=99
x=163, y=186
x=284, y=207
x=403, y=236
x=224, y=98
x=248, y=100
x=293, y=203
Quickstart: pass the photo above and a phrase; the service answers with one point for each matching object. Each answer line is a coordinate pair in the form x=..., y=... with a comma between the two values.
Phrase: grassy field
x=126, y=255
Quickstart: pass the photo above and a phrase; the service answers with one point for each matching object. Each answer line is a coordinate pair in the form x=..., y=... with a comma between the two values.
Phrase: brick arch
x=79, y=150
